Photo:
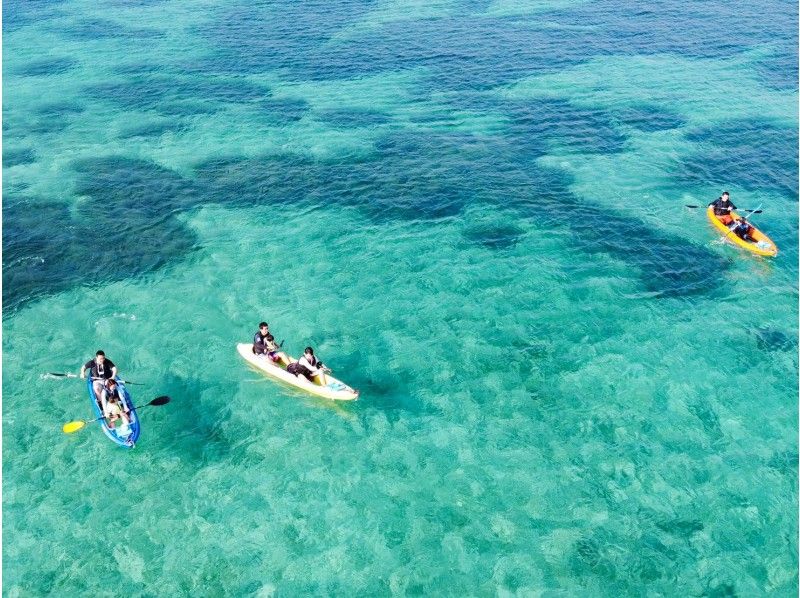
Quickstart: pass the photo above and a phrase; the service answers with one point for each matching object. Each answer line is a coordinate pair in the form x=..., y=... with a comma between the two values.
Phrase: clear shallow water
x=602, y=404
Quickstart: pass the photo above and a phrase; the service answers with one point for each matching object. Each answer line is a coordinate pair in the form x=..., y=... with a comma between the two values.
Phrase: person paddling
x=264, y=344
x=100, y=370
x=723, y=206
x=114, y=407
x=309, y=366
x=743, y=229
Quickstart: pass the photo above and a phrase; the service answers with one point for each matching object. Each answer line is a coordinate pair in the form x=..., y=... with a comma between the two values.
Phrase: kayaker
x=743, y=229
x=113, y=406
x=723, y=206
x=264, y=344
x=100, y=370
x=309, y=366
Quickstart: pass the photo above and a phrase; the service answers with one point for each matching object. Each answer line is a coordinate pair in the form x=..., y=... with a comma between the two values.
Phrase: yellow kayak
x=335, y=390
x=763, y=245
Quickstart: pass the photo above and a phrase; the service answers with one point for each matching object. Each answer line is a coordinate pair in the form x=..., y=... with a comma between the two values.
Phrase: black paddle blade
x=690, y=206
x=159, y=401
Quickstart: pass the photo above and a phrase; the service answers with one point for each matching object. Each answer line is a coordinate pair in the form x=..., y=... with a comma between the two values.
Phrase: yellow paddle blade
x=71, y=427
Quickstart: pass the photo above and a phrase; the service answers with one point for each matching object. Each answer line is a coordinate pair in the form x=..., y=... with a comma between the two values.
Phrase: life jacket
x=723, y=208
x=112, y=393
x=743, y=229
x=98, y=370
x=263, y=342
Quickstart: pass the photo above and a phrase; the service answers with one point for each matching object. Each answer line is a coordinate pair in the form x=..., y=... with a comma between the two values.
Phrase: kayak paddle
x=157, y=402
x=751, y=211
x=71, y=427
x=68, y=375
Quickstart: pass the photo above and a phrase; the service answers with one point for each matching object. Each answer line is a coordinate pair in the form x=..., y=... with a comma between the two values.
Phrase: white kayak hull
x=336, y=390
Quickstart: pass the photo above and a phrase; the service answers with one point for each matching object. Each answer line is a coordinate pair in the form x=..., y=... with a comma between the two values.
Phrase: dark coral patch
x=494, y=236
x=465, y=52
x=136, y=3
x=779, y=71
x=187, y=108
x=139, y=68
x=415, y=176
x=47, y=125
x=385, y=190
x=60, y=109
x=93, y=29
x=20, y=13
x=252, y=39
x=177, y=96
x=268, y=180
x=278, y=111
x=125, y=226
x=349, y=119
x=46, y=66
x=442, y=201
x=574, y=128
x=772, y=339
x=753, y=154
x=152, y=129
x=15, y=157
x=143, y=191
x=668, y=266
x=649, y=118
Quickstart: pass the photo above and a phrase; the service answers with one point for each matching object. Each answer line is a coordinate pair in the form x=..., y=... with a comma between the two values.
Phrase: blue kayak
x=122, y=435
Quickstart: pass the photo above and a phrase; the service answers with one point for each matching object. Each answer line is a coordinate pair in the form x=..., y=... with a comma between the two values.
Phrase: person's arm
x=84, y=367
x=104, y=402
x=320, y=368
x=113, y=371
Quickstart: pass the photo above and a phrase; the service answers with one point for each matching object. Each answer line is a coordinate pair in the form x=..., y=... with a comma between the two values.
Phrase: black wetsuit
x=261, y=342
x=100, y=371
x=722, y=208
x=113, y=393
x=743, y=230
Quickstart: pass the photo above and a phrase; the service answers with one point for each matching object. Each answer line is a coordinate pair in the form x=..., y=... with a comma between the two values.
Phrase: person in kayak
x=723, y=206
x=743, y=229
x=100, y=370
x=264, y=344
x=309, y=366
x=114, y=407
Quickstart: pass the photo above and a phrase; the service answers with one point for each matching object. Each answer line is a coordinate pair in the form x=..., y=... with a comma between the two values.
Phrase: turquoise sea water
x=474, y=211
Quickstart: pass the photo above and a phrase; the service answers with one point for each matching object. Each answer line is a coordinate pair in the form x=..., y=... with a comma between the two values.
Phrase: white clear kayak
x=335, y=390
